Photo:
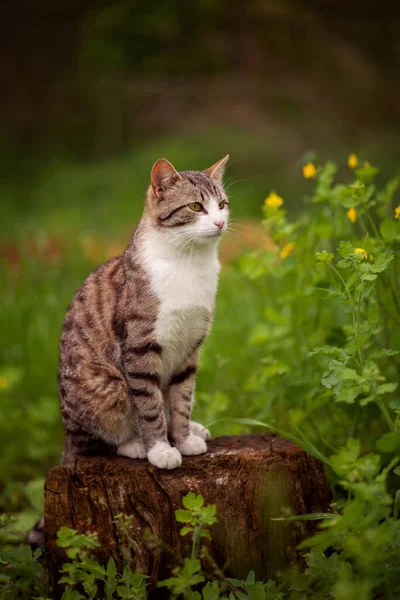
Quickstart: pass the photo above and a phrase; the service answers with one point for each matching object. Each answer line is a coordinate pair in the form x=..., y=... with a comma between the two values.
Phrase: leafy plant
x=84, y=570
x=330, y=335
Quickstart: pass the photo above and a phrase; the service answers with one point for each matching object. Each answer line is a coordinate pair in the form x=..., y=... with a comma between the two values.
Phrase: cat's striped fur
x=131, y=337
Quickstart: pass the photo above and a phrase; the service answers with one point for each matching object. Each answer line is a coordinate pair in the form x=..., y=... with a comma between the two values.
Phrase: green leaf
x=208, y=514
x=346, y=456
x=303, y=443
x=251, y=577
x=386, y=388
x=211, y=591
x=71, y=594
x=343, y=264
x=347, y=374
x=183, y=516
x=367, y=173
x=347, y=394
x=345, y=249
x=383, y=353
x=390, y=442
x=65, y=536
x=90, y=588
x=186, y=530
x=338, y=352
x=325, y=256
x=124, y=592
x=191, y=595
x=367, y=400
x=205, y=533
x=111, y=568
x=390, y=230
x=306, y=517
x=331, y=378
x=192, y=502
x=367, y=272
x=382, y=261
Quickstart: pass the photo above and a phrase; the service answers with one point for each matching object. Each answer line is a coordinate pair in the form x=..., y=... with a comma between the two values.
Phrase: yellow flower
x=286, y=250
x=3, y=383
x=273, y=200
x=309, y=170
x=352, y=161
x=361, y=251
x=397, y=212
x=352, y=214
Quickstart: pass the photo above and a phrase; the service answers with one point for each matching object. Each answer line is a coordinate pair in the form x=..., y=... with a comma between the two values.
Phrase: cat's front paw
x=192, y=445
x=198, y=429
x=163, y=456
x=132, y=449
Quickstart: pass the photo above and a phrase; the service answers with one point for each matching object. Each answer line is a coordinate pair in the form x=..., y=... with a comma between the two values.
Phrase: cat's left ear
x=216, y=172
x=161, y=173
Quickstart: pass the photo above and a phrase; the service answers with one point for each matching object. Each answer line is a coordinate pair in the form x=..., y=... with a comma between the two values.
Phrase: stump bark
x=251, y=479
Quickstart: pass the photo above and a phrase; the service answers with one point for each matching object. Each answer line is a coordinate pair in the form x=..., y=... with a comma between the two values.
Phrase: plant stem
x=346, y=291
x=385, y=413
x=360, y=352
x=373, y=224
x=194, y=545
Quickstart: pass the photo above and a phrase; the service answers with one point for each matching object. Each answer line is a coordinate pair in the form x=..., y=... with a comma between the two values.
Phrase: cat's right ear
x=161, y=173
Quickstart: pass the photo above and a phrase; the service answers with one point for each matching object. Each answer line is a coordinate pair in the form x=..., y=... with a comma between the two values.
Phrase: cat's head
x=189, y=207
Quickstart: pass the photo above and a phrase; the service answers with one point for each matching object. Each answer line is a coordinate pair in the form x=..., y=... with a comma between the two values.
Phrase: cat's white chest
x=185, y=286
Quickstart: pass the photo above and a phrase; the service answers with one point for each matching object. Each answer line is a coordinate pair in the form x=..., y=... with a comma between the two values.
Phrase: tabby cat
x=132, y=334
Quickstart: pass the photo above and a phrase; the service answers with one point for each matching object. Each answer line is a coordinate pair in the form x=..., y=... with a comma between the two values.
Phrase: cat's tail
x=36, y=534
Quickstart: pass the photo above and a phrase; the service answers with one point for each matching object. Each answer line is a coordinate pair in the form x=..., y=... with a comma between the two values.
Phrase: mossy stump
x=250, y=478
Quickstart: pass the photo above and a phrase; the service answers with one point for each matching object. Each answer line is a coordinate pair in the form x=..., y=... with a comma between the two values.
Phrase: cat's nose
x=219, y=223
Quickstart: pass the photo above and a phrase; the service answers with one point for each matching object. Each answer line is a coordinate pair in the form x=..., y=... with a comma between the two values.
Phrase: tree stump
x=251, y=478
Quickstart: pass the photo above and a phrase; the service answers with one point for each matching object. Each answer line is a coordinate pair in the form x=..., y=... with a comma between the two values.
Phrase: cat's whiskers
x=234, y=183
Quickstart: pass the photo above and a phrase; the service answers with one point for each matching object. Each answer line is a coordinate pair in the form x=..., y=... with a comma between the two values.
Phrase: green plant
x=329, y=367
x=87, y=572
x=197, y=519
x=21, y=571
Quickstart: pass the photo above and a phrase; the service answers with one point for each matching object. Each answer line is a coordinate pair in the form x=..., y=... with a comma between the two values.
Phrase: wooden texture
x=250, y=478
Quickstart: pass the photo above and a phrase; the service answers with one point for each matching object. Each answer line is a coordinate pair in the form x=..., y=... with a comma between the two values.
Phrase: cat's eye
x=196, y=206
x=221, y=204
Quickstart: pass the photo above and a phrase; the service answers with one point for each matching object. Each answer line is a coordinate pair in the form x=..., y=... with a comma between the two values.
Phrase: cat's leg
x=200, y=430
x=180, y=404
x=195, y=427
x=133, y=449
x=142, y=367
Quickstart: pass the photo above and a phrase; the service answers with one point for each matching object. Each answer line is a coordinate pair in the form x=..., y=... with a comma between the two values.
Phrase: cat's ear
x=161, y=172
x=216, y=172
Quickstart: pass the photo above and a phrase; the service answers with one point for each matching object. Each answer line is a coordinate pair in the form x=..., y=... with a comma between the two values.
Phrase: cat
x=131, y=337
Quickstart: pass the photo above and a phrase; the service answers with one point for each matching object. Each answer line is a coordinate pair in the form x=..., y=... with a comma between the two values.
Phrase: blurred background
x=93, y=93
